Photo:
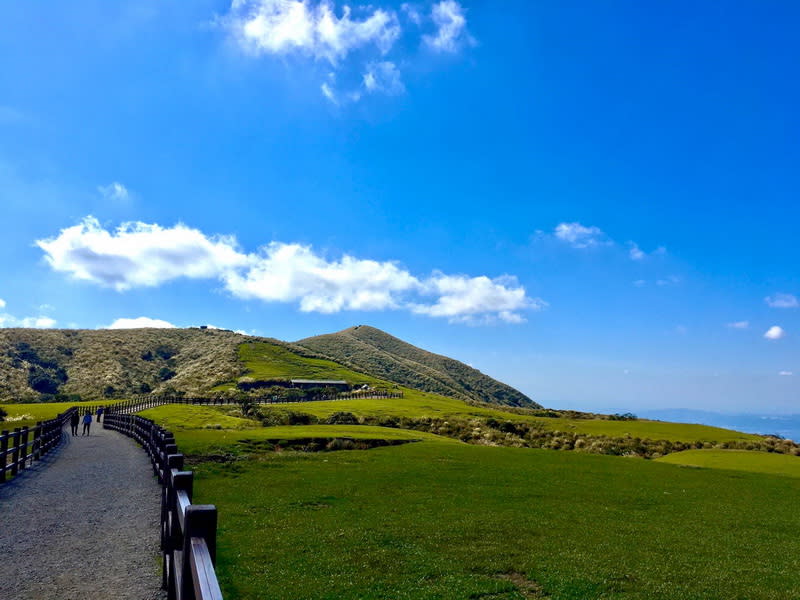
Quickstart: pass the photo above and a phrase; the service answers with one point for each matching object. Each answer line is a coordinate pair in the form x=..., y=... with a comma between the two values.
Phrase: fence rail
x=151, y=401
x=20, y=447
x=188, y=531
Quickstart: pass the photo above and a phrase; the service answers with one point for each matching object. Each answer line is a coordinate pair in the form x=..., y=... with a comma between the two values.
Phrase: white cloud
x=579, y=236
x=140, y=323
x=739, y=325
x=451, y=34
x=775, y=333
x=785, y=373
x=114, y=192
x=383, y=77
x=412, y=12
x=146, y=255
x=477, y=299
x=292, y=272
x=40, y=322
x=782, y=301
x=138, y=254
x=355, y=41
x=2, y=303
x=635, y=252
x=309, y=28
x=671, y=280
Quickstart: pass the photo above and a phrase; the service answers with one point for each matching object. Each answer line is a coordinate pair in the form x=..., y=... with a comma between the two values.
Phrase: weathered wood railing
x=188, y=531
x=19, y=448
x=151, y=401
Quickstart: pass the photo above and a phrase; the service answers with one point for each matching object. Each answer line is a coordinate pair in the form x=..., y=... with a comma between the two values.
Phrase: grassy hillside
x=373, y=351
x=737, y=460
x=114, y=363
x=445, y=520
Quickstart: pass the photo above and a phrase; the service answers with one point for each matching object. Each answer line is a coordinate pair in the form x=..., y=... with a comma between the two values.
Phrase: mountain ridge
x=369, y=349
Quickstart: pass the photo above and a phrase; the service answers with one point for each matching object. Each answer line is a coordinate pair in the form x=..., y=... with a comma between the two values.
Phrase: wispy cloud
x=140, y=323
x=114, y=192
x=451, y=23
x=136, y=255
x=353, y=41
x=775, y=333
x=785, y=373
x=580, y=236
x=782, y=301
x=739, y=325
x=38, y=322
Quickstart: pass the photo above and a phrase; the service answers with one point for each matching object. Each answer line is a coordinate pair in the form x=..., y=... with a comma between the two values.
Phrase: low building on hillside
x=306, y=384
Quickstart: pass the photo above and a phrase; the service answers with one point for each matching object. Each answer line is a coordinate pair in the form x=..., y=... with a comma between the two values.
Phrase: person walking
x=73, y=421
x=87, y=422
x=99, y=414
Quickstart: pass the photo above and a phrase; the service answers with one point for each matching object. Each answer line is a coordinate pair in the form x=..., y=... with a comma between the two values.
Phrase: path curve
x=83, y=524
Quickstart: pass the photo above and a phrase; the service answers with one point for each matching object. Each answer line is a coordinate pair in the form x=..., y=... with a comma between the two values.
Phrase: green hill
x=373, y=351
x=38, y=364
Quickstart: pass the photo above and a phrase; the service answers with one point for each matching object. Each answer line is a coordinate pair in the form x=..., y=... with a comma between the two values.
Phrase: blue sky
x=594, y=202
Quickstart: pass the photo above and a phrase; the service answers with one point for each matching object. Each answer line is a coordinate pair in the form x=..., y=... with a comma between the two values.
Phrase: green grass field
x=267, y=361
x=421, y=404
x=27, y=415
x=446, y=520
x=737, y=460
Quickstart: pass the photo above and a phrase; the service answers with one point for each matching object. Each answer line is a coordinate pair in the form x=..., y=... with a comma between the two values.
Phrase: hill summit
x=373, y=351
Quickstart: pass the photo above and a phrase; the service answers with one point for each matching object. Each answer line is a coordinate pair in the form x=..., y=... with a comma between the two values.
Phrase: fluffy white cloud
x=739, y=325
x=138, y=254
x=785, y=373
x=451, y=24
x=579, y=236
x=350, y=40
x=635, y=252
x=292, y=272
x=782, y=301
x=140, y=323
x=2, y=303
x=40, y=322
x=383, y=77
x=142, y=255
x=775, y=333
x=115, y=192
x=477, y=299
x=311, y=28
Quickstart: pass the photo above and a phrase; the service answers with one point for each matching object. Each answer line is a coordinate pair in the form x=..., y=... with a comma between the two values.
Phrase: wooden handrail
x=188, y=531
x=19, y=448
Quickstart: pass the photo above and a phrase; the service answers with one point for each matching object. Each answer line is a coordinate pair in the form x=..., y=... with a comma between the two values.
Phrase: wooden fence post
x=3, y=454
x=15, y=451
x=24, y=445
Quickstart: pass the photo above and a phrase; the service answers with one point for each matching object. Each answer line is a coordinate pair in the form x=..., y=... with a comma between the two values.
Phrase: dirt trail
x=82, y=523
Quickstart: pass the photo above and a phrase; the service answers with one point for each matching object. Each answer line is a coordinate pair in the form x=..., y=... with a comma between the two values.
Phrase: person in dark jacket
x=73, y=421
x=99, y=414
x=87, y=422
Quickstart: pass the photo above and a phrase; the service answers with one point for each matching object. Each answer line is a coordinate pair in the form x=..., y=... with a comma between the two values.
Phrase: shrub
x=3, y=414
x=342, y=418
x=165, y=373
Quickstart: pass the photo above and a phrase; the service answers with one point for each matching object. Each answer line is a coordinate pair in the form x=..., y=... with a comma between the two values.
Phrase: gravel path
x=82, y=524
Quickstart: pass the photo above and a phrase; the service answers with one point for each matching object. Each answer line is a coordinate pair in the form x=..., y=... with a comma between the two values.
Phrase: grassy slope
x=737, y=460
x=374, y=351
x=26, y=415
x=420, y=404
x=95, y=359
x=266, y=361
x=433, y=520
x=441, y=519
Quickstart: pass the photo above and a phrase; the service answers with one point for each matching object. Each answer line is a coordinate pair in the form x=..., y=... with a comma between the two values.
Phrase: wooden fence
x=19, y=448
x=151, y=401
x=188, y=531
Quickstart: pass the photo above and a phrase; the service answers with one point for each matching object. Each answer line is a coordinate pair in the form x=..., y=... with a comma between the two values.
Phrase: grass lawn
x=446, y=520
x=737, y=460
x=27, y=415
x=267, y=361
x=421, y=404
x=453, y=521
